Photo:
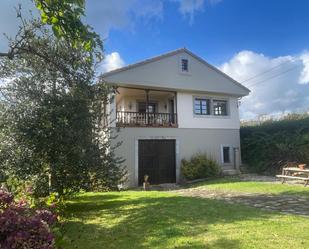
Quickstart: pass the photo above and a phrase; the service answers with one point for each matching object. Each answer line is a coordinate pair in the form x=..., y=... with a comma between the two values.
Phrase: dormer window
x=184, y=65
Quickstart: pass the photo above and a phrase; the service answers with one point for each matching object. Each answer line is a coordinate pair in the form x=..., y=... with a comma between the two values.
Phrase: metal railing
x=124, y=118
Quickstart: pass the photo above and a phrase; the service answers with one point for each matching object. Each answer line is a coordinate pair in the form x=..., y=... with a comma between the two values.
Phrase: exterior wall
x=165, y=73
x=123, y=104
x=188, y=143
x=187, y=118
x=185, y=112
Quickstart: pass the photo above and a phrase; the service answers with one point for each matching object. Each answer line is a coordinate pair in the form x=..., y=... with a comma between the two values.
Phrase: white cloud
x=103, y=15
x=304, y=77
x=188, y=8
x=106, y=15
x=112, y=61
x=285, y=88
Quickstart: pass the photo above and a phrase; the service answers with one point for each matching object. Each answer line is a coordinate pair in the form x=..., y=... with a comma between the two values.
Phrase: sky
x=262, y=44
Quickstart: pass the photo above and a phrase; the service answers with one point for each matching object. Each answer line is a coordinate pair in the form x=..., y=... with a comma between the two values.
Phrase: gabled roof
x=152, y=59
x=168, y=54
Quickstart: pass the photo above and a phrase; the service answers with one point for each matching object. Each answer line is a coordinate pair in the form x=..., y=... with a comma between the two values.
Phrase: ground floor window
x=226, y=154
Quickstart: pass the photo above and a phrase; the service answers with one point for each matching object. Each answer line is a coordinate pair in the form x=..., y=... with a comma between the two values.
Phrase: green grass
x=134, y=219
x=235, y=185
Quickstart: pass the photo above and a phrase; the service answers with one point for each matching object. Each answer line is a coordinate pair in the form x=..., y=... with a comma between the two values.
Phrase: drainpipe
x=237, y=159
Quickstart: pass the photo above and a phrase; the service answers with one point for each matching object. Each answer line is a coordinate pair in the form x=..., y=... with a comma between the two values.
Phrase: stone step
x=230, y=171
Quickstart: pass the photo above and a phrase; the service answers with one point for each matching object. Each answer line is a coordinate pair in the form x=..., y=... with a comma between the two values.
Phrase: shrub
x=24, y=227
x=267, y=147
x=199, y=166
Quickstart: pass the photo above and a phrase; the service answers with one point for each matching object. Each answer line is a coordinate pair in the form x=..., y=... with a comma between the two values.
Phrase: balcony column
x=176, y=111
x=147, y=106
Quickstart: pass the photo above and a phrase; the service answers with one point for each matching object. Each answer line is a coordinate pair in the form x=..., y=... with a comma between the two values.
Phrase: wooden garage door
x=156, y=158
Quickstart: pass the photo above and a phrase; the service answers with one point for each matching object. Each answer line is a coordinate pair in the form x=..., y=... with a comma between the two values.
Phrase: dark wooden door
x=156, y=158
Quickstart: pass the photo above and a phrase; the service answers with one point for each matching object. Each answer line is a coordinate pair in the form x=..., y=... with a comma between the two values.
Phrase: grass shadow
x=152, y=220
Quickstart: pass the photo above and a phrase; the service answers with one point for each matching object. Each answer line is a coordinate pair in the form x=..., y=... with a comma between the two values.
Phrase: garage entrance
x=157, y=159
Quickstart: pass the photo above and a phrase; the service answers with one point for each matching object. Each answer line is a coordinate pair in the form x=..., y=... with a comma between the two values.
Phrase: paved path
x=291, y=204
x=282, y=203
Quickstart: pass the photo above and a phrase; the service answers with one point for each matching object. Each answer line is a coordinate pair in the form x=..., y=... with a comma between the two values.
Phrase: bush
x=266, y=148
x=24, y=227
x=199, y=166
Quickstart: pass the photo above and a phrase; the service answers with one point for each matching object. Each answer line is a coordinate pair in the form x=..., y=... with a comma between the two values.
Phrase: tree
x=51, y=114
x=64, y=16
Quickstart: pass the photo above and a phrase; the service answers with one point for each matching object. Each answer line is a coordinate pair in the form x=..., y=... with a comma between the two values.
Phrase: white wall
x=188, y=143
x=165, y=74
x=123, y=104
x=187, y=118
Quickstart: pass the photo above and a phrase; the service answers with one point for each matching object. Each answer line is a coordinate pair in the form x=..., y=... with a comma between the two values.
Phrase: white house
x=171, y=107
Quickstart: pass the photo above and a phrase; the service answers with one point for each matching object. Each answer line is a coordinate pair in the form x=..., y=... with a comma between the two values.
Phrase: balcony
x=142, y=119
x=145, y=108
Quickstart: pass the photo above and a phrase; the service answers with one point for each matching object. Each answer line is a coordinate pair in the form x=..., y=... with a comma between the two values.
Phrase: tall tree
x=51, y=117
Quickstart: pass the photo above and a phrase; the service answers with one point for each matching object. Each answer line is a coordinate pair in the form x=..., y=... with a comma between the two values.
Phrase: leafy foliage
x=52, y=118
x=24, y=227
x=199, y=166
x=64, y=16
x=267, y=147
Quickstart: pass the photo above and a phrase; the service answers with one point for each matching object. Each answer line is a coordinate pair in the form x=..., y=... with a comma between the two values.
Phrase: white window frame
x=209, y=106
x=211, y=111
x=222, y=100
x=180, y=65
x=184, y=63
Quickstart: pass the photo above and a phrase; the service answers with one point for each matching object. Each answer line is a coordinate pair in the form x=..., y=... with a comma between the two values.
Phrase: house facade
x=171, y=107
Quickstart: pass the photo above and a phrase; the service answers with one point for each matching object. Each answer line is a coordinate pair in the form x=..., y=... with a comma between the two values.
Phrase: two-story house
x=171, y=107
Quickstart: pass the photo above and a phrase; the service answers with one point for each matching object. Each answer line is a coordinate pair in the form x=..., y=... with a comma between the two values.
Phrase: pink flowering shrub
x=5, y=199
x=24, y=227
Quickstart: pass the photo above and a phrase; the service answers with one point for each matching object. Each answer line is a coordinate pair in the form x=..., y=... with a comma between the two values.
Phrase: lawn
x=233, y=184
x=135, y=219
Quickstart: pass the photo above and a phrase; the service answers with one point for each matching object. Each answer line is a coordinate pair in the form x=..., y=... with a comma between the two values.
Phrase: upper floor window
x=219, y=107
x=201, y=106
x=210, y=106
x=184, y=65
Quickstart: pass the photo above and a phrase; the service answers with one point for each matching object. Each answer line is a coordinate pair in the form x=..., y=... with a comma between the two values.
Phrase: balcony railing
x=146, y=119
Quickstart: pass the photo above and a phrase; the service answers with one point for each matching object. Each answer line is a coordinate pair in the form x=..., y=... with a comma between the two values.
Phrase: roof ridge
x=154, y=58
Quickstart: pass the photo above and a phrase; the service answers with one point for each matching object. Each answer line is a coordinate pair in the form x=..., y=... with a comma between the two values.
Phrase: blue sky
x=216, y=30
x=243, y=38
